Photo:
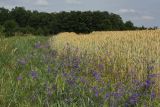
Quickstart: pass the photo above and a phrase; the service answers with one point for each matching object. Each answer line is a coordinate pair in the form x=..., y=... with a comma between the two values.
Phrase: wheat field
x=133, y=45
x=125, y=43
x=134, y=50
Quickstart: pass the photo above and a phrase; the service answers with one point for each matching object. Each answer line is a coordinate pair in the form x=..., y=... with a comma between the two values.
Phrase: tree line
x=42, y=23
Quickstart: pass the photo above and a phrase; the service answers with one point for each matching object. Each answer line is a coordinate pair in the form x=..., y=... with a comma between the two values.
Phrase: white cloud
x=126, y=11
x=73, y=1
x=147, y=18
x=8, y=6
x=42, y=2
x=143, y=18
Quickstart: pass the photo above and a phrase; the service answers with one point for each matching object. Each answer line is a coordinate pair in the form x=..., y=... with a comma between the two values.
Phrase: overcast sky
x=141, y=12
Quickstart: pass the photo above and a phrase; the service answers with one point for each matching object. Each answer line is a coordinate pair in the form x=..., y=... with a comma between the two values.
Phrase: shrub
x=10, y=27
x=1, y=31
x=25, y=30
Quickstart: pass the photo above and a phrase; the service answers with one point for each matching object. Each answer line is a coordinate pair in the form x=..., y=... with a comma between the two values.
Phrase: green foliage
x=4, y=15
x=129, y=25
x=41, y=23
x=26, y=30
x=20, y=15
x=1, y=29
x=10, y=27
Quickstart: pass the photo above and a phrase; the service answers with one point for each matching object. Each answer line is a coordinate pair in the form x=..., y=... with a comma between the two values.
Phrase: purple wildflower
x=148, y=83
x=94, y=88
x=53, y=53
x=117, y=95
x=47, y=45
x=33, y=98
x=19, y=78
x=103, y=82
x=153, y=95
x=150, y=68
x=153, y=75
x=101, y=66
x=101, y=90
x=75, y=62
x=82, y=80
x=107, y=52
x=75, y=66
x=96, y=75
x=70, y=82
x=49, y=69
x=65, y=74
x=134, y=98
x=96, y=93
x=54, y=86
x=33, y=74
x=49, y=92
x=22, y=62
x=107, y=96
x=37, y=45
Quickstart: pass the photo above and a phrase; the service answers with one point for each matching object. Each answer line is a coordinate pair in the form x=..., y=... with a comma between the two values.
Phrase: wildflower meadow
x=101, y=69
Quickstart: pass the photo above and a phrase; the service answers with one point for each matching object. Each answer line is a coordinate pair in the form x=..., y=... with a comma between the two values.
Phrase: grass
x=11, y=50
x=102, y=69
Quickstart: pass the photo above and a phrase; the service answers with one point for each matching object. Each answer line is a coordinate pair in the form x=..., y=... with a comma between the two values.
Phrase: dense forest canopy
x=41, y=23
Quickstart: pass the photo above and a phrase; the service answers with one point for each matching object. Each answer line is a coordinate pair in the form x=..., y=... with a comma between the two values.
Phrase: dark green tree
x=116, y=21
x=4, y=15
x=20, y=15
x=129, y=25
x=10, y=27
x=42, y=23
x=1, y=29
